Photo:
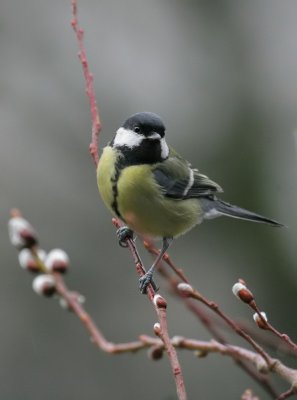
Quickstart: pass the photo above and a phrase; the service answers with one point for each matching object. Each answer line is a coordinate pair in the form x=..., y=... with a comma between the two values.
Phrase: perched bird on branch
x=156, y=192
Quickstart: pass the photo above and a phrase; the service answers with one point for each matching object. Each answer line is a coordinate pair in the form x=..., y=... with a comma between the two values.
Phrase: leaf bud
x=57, y=261
x=185, y=289
x=21, y=233
x=157, y=329
x=159, y=301
x=261, y=322
x=28, y=261
x=242, y=292
x=44, y=285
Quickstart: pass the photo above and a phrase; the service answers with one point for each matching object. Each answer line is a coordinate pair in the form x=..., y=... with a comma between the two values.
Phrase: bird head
x=142, y=138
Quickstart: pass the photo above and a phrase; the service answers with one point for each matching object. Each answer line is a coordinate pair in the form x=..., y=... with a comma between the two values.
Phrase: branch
x=245, y=295
x=203, y=348
x=96, y=123
x=24, y=237
x=287, y=394
x=288, y=347
x=209, y=323
x=188, y=291
x=160, y=306
x=96, y=335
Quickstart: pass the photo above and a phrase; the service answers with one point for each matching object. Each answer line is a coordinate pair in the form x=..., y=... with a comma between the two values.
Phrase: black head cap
x=145, y=123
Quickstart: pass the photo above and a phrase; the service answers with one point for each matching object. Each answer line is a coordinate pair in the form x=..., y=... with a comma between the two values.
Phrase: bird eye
x=136, y=129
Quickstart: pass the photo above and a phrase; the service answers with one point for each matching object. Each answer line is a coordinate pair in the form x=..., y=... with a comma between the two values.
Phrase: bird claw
x=145, y=281
x=124, y=233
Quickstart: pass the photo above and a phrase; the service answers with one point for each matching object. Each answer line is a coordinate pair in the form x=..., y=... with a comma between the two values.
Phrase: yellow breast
x=140, y=202
x=106, y=174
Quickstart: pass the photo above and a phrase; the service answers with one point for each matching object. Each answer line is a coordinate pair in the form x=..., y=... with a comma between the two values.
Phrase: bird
x=156, y=192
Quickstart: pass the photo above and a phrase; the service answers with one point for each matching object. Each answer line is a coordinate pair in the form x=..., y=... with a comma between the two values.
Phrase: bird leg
x=124, y=233
x=147, y=279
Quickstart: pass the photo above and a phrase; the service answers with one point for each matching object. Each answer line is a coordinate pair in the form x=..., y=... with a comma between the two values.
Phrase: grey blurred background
x=222, y=74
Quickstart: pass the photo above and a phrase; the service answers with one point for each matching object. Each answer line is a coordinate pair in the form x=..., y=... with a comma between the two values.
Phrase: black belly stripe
x=148, y=153
x=114, y=188
x=119, y=166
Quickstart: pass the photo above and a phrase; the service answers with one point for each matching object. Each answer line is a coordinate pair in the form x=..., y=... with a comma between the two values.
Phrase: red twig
x=160, y=305
x=244, y=294
x=211, y=325
x=267, y=326
x=137, y=260
x=156, y=345
x=194, y=294
x=205, y=319
x=286, y=394
x=95, y=334
x=158, y=301
x=213, y=306
x=96, y=127
x=288, y=347
x=96, y=123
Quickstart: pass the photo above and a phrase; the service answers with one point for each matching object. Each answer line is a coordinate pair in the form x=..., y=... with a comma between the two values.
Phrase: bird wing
x=179, y=181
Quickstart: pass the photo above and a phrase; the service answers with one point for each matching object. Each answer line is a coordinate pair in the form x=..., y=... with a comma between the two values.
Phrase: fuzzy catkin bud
x=159, y=301
x=21, y=233
x=185, y=289
x=259, y=321
x=242, y=292
x=177, y=340
x=28, y=261
x=44, y=285
x=57, y=261
x=157, y=328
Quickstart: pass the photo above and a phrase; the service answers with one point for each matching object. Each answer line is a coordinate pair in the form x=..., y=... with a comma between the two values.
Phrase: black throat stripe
x=148, y=153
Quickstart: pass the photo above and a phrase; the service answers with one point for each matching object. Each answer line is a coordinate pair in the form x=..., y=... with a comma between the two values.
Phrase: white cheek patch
x=126, y=137
x=164, y=149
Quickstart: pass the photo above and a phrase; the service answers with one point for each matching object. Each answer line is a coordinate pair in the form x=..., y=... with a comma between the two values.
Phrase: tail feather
x=216, y=207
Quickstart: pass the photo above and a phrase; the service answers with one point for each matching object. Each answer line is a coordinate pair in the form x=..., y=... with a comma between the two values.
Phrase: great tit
x=153, y=190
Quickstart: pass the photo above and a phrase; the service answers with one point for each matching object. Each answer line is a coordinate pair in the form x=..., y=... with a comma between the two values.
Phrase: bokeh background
x=222, y=74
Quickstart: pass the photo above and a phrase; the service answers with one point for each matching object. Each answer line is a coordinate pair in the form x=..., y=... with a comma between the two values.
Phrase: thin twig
x=267, y=326
x=205, y=319
x=96, y=123
x=212, y=346
x=238, y=354
x=96, y=335
x=96, y=127
x=160, y=306
x=286, y=394
x=157, y=345
x=194, y=294
x=215, y=307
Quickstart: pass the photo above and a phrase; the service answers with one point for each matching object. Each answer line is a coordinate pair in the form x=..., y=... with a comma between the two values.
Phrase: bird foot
x=124, y=233
x=145, y=280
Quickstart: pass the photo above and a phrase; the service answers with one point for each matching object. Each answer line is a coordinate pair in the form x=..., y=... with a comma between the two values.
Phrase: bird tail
x=216, y=207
